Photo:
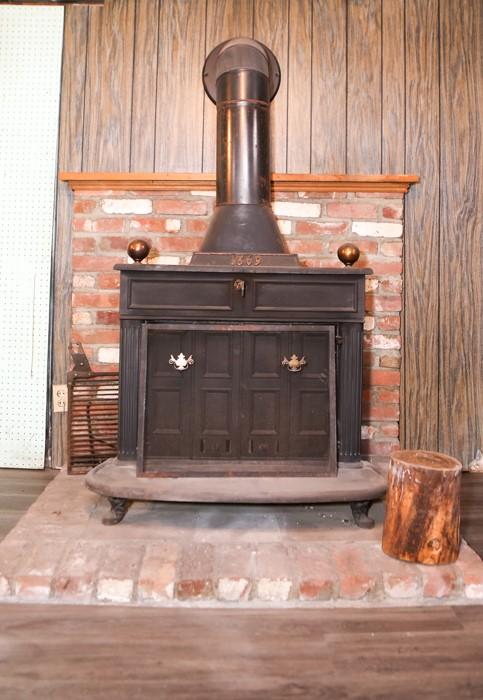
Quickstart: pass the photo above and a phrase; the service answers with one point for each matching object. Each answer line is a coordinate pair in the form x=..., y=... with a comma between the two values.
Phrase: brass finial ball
x=348, y=254
x=138, y=250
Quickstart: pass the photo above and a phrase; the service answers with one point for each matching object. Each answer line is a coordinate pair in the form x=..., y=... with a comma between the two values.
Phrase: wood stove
x=243, y=364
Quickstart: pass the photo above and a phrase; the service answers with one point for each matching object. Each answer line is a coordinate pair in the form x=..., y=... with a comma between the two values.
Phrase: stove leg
x=360, y=510
x=119, y=508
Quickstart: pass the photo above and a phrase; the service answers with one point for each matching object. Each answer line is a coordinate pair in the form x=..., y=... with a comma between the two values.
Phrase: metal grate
x=93, y=419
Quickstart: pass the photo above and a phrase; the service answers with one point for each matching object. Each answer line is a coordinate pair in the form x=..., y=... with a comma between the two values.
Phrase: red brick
x=388, y=323
x=180, y=207
x=354, y=210
x=115, y=242
x=119, y=569
x=381, y=267
x=313, y=228
x=33, y=578
x=355, y=574
x=103, y=366
x=196, y=226
x=379, y=195
x=392, y=212
x=329, y=263
x=99, y=299
x=109, y=280
x=148, y=224
x=389, y=430
x=392, y=249
x=234, y=568
x=178, y=244
x=370, y=359
x=306, y=246
x=380, y=412
x=84, y=206
x=275, y=572
x=438, y=581
x=470, y=568
x=376, y=302
x=83, y=245
x=97, y=336
x=158, y=571
x=81, y=224
x=195, y=574
x=381, y=377
x=373, y=447
x=393, y=361
x=393, y=285
x=382, y=341
x=107, y=318
x=111, y=225
x=75, y=576
x=388, y=396
x=315, y=571
x=95, y=263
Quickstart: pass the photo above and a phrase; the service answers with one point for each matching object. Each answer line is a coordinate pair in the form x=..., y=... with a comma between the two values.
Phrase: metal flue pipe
x=242, y=76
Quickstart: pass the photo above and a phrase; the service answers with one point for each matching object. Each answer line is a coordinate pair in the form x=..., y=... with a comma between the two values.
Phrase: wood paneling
x=299, y=89
x=421, y=250
x=461, y=231
x=393, y=87
x=225, y=19
x=364, y=71
x=329, y=97
x=109, y=81
x=179, y=132
x=71, y=132
x=271, y=26
x=362, y=85
x=145, y=77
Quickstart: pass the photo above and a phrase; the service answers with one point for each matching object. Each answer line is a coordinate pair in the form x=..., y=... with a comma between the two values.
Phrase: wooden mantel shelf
x=281, y=182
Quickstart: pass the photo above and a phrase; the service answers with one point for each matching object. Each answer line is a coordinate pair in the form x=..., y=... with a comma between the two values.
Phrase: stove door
x=238, y=399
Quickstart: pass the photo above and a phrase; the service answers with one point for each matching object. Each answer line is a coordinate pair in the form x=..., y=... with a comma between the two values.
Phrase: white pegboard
x=30, y=69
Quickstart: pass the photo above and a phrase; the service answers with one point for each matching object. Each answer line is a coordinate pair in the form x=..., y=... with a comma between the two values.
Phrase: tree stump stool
x=422, y=521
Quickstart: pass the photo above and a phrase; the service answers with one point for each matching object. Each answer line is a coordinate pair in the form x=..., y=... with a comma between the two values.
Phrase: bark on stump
x=422, y=521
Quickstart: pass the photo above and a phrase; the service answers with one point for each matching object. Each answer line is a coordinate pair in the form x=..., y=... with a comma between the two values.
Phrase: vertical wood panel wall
x=375, y=86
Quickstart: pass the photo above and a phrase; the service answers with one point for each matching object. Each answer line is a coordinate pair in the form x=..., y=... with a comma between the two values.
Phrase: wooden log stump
x=422, y=521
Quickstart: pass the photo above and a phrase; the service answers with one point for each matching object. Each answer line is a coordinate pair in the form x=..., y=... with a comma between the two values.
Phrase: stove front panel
x=238, y=400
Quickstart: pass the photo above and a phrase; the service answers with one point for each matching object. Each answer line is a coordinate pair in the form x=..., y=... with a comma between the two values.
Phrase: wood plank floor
x=103, y=653
x=61, y=653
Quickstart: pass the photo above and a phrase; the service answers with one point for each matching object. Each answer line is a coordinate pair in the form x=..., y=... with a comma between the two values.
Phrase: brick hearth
x=315, y=225
x=167, y=554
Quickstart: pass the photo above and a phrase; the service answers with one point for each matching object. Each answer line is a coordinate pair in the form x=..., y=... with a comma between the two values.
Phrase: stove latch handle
x=240, y=286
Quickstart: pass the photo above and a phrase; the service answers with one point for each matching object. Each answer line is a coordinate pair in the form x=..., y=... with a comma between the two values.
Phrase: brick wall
x=315, y=225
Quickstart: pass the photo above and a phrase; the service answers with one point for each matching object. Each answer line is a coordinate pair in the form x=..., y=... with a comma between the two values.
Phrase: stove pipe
x=242, y=76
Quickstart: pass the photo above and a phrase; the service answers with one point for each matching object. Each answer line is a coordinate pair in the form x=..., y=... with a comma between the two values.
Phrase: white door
x=30, y=69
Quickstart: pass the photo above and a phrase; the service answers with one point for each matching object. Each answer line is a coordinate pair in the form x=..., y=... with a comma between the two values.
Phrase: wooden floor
x=69, y=653
x=104, y=653
x=19, y=488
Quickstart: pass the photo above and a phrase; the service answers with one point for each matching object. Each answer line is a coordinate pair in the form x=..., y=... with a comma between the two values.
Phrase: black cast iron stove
x=243, y=364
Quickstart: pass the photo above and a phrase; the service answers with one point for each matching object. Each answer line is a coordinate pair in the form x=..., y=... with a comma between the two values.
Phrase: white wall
x=30, y=69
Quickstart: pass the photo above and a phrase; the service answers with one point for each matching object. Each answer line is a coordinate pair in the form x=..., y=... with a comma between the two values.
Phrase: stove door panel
x=263, y=395
x=168, y=430
x=215, y=399
x=311, y=393
x=239, y=399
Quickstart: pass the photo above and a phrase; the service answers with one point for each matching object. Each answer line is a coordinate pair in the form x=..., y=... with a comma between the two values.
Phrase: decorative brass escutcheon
x=181, y=362
x=294, y=364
